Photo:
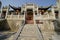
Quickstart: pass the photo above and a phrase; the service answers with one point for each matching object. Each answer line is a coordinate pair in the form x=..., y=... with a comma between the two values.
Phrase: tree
x=0, y=4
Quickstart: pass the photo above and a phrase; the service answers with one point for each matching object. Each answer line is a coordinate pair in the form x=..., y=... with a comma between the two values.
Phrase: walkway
x=29, y=32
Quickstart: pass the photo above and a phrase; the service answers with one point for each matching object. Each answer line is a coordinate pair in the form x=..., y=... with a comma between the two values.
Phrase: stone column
x=46, y=13
x=24, y=13
x=53, y=14
x=11, y=17
x=1, y=12
x=34, y=15
x=7, y=12
x=18, y=15
x=37, y=9
x=58, y=5
x=40, y=16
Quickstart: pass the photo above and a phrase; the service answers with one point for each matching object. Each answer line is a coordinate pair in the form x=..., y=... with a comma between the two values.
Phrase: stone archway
x=29, y=16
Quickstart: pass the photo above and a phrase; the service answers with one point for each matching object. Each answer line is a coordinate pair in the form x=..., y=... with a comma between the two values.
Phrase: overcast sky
x=20, y=2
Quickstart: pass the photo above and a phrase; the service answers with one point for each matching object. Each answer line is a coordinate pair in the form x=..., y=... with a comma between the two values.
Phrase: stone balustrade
x=20, y=17
x=44, y=17
x=36, y=17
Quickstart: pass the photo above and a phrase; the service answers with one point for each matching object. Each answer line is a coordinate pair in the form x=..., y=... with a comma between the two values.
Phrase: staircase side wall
x=14, y=24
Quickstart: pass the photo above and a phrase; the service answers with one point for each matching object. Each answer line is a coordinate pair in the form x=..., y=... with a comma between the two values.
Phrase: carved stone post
x=1, y=12
x=7, y=12
x=34, y=15
x=53, y=14
x=58, y=5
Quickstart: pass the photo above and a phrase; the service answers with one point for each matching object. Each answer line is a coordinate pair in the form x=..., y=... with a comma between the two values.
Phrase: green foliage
x=0, y=4
x=0, y=11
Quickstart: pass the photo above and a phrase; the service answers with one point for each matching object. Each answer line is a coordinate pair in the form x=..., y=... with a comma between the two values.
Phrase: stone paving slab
x=29, y=32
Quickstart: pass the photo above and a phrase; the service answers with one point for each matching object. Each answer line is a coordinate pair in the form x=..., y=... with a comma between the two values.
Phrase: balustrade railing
x=15, y=17
x=52, y=16
x=36, y=17
x=44, y=17
x=8, y=16
x=41, y=17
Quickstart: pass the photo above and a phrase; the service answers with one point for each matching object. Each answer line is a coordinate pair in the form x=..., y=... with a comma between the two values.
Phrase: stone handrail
x=44, y=17
x=41, y=17
x=8, y=16
x=15, y=17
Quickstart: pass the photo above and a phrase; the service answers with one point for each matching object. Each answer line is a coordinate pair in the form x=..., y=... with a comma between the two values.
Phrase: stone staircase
x=30, y=32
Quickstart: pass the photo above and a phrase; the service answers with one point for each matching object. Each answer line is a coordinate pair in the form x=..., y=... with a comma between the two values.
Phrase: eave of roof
x=45, y=8
x=15, y=8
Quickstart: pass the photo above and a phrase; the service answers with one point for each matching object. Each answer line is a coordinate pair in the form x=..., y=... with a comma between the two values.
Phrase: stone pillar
x=58, y=5
x=40, y=15
x=53, y=13
x=37, y=9
x=11, y=16
x=25, y=12
x=1, y=12
x=24, y=15
x=18, y=15
x=34, y=15
x=7, y=11
x=47, y=15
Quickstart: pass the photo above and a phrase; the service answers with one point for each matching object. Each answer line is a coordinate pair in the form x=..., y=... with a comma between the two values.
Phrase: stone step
x=29, y=33
x=27, y=38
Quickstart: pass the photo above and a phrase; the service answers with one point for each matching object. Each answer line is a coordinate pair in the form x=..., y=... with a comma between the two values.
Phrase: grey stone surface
x=29, y=32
